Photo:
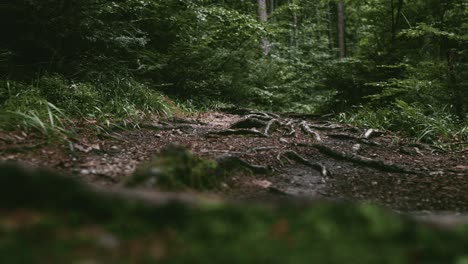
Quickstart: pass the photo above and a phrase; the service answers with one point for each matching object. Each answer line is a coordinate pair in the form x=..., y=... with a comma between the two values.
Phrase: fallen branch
x=376, y=164
x=306, y=128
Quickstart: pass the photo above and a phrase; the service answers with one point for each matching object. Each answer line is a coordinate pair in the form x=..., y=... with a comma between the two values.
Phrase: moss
x=46, y=218
x=175, y=167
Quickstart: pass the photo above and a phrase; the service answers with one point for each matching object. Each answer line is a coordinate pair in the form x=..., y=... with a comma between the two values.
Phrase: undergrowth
x=423, y=122
x=50, y=104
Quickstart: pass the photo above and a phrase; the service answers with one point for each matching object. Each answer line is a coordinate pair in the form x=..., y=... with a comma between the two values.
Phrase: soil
x=396, y=172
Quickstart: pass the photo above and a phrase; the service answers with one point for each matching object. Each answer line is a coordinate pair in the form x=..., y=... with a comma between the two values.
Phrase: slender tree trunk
x=457, y=98
x=331, y=30
x=263, y=17
x=341, y=29
x=398, y=15
x=295, y=22
x=392, y=10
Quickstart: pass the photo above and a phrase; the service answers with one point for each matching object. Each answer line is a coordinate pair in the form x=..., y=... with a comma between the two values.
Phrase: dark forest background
x=392, y=64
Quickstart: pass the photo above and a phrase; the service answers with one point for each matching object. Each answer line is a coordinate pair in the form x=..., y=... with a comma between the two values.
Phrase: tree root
x=290, y=154
x=343, y=136
x=261, y=149
x=250, y=122
x=252, y=132
x=326, y=127
x=260, y=117
x=376, y=164
x=229, y=162
x=371, y=133
x=270, y=124
x=306, y=128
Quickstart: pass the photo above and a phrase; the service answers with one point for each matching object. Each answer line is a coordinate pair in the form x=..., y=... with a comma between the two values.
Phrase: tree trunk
x=457, y=97
x=341, y=29
x=263, y=17
x=331, y=26
x=295, y=21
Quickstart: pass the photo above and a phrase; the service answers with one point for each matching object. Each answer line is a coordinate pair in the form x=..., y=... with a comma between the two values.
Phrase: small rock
x=85, y=172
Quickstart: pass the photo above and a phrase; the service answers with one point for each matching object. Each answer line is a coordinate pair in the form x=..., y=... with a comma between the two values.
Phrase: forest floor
x=306, y=158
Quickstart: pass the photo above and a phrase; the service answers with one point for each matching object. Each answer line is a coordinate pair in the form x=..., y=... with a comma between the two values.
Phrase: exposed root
x=343, y=136
x=260, y=117
x=327, y=126
x=250, y=122
x=290, y=127
x=261, y=149
x=376, y=164
x=306, y=128
x=290, y=154
x=270, y=124
x=232, y=162
x=372, y=133
x=244, y=132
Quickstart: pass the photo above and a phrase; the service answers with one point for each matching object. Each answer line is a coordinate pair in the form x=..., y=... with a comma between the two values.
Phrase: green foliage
x=110, y=60
x=424, y=122
x=30, y=111
x=50, y=102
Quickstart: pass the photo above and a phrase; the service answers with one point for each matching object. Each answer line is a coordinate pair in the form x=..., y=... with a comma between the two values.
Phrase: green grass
x=50, y=103
x=425, y=123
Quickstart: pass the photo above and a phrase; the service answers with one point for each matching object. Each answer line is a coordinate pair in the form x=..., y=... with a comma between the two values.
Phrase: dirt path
x=309, y=158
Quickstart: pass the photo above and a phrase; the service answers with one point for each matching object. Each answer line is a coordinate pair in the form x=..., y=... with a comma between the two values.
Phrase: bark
x=263, y=17
x=457, y=98
x=341, y=29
